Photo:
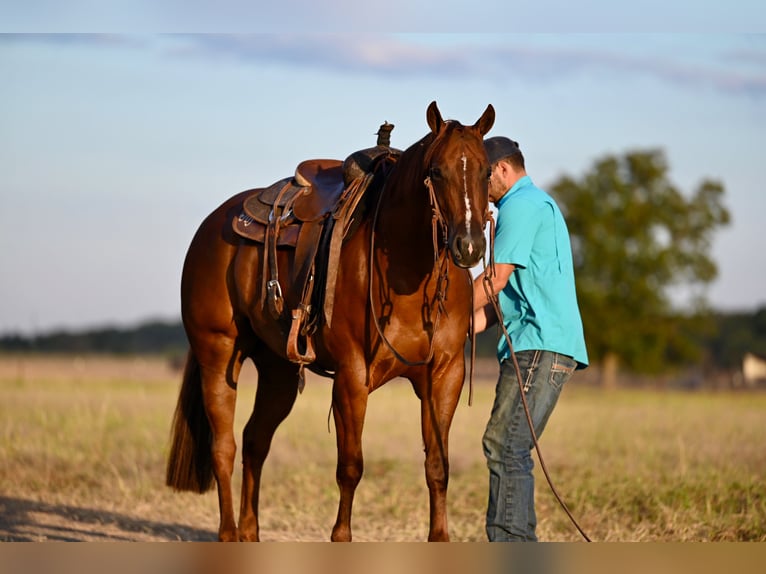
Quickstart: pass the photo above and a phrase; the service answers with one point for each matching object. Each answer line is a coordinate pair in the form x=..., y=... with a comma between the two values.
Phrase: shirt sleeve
x=517, y=225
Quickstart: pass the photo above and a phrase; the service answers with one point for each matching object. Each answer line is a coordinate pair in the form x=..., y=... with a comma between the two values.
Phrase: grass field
x=83, y=444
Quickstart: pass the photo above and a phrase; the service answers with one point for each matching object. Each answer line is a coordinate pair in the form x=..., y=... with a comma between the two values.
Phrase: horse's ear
x=486, y=121
x=434, y=117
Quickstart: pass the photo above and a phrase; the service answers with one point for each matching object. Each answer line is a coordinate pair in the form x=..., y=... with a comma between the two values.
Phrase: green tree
x=634, y=237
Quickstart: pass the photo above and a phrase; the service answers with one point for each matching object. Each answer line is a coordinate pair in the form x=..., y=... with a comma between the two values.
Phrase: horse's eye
x=489, y=173
x=436, y=173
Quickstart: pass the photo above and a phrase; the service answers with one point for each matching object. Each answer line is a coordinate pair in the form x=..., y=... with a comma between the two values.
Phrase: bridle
x=441, y=264
x=438, y=223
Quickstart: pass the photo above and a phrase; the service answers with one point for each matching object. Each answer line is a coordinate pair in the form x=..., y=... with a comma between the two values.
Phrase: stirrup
x=293, y=354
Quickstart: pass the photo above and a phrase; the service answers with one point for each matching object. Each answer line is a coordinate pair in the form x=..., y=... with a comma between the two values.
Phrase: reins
x=442, y=279
x=491, y=295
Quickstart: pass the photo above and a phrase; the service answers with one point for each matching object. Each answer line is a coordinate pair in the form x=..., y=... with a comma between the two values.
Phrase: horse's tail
x=190, y=462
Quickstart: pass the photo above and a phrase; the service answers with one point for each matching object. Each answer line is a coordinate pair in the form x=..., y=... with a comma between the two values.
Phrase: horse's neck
x=404, y=229
x=406, y=207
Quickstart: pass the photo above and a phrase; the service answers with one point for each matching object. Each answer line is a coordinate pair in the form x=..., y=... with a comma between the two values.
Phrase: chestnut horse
x=405, y=284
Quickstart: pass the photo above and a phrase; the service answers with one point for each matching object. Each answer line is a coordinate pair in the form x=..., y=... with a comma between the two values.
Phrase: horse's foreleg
x=437, y=409
x=274, y=399
x=349, y=401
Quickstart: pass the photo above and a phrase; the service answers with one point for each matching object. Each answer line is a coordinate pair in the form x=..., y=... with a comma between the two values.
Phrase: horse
x=404, y=277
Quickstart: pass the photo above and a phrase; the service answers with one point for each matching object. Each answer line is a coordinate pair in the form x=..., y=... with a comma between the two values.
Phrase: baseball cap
x=499, y=147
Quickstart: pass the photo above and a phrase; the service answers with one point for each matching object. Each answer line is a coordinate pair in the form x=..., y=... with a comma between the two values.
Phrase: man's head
x=501, y=148
x=507, y=163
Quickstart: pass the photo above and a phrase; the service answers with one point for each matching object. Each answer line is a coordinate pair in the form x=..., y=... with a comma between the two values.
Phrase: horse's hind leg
x=274, y=398
x=220, y=367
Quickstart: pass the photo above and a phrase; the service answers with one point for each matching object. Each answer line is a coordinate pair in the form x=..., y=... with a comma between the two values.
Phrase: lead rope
x=489, y=271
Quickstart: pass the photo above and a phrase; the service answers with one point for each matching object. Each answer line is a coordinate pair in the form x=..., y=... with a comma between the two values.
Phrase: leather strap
x=343, y=219
x=275, y=299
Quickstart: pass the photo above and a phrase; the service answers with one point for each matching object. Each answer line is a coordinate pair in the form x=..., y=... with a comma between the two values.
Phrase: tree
x=737, y=333
x=634, y=236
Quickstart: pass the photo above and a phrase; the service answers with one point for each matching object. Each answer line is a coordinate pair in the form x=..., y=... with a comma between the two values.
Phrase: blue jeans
x=508, y=442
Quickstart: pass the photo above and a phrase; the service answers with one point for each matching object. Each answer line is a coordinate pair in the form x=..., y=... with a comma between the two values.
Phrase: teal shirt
x=539, y=303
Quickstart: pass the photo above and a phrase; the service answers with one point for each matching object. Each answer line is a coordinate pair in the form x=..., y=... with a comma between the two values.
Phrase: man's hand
x=484, y=286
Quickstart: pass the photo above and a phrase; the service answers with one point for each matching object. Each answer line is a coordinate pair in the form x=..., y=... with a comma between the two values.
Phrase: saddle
x=311, y=213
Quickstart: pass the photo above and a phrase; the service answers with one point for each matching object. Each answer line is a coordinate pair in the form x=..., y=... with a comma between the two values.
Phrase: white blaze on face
x=467, y=202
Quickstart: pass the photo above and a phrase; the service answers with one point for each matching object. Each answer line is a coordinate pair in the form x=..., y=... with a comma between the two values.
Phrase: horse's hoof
x=228, y=536
x=438, y=537
x=341, y=535
x=249, y=537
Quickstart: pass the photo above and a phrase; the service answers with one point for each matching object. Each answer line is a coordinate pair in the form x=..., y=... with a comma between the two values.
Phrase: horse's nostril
x=467, y=251
x=458, y=247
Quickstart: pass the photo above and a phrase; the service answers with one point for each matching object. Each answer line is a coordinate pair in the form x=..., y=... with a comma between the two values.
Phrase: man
x=535, y=286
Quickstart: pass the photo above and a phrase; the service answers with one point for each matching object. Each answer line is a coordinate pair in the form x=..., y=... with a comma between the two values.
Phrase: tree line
x=152, y=337
x=719, y=345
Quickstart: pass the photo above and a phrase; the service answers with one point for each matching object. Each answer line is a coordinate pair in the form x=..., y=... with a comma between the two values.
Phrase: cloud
x=409, y=56
x=377, y=54
x=668, y=68
x=74, y=40
x=530, y=58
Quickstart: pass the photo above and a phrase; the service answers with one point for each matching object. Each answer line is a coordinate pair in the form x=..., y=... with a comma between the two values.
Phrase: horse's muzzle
x=467, y=250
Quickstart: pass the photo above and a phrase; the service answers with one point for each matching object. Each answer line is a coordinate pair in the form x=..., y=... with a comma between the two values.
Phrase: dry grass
x=83, y=442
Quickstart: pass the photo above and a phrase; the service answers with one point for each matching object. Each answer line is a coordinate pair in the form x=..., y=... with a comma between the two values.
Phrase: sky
x=117, y=140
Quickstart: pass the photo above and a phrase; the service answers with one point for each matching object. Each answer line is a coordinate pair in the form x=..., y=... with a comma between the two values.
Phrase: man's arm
x=483, y=311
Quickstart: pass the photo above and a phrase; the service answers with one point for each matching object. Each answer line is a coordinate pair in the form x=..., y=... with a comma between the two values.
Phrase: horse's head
x=458, y=175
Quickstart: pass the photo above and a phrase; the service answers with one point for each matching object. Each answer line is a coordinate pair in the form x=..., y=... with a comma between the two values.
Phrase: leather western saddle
x=311, y=213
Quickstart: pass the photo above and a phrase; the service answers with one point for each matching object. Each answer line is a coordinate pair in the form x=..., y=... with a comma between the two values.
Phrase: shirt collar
x=522, y=182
